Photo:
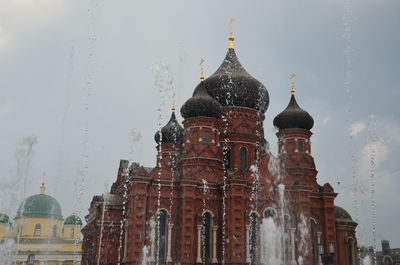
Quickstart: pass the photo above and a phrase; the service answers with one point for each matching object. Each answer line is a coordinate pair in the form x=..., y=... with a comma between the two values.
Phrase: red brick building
x=216, y=186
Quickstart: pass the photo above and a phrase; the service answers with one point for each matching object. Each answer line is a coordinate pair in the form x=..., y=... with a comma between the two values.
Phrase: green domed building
x=42, y=233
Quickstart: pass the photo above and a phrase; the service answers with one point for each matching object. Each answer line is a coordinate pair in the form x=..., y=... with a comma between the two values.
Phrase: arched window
x=206, y=137
x=243, y=158
x=206, y=238
x=38, y=229
x=227, y=157
x=314, y=238
x=350, y=251
x=254, y=229
x=54, y=231
x=19, y=229
x=161, y=236
x=269, y=213
x=286, y=238
x=300, y=147
x=72, y=233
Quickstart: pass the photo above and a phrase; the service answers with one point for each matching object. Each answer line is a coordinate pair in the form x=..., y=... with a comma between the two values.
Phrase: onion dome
x=342, y=215
x=172, y=132
x=201, y=105
x=293, y=117
x=232, y=85
x=40, y=205
x=73, y=220
x=4, y=219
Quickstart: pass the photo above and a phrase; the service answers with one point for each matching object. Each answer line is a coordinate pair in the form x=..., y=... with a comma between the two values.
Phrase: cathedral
x=217, y=195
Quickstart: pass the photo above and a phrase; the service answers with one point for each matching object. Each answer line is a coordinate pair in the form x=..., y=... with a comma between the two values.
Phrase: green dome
x=4, y=219
x=73, y=220
x=40, y=205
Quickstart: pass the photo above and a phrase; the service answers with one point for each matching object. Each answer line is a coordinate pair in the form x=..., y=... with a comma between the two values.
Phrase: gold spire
x=43, y=186
x=231, y=37
x=292, y=76
x=201, y=69
x=173, y=102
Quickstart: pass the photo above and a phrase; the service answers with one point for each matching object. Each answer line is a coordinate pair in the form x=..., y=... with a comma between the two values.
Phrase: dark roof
x=341, y=214
x=171, y=133
x=293, y=117
x=201, y=105
x=232, y=85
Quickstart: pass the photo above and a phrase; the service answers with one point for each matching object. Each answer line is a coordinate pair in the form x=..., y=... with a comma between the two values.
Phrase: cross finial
x=231, y=37
x=201, y=69
x=292, y=76
x=173, y=102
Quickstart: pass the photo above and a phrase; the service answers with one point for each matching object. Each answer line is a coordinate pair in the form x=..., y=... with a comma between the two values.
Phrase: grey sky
x=68, y=66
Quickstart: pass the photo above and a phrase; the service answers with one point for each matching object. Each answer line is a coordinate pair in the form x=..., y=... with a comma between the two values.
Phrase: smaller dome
x=342, y=214
x=4, y=219
x=73, y=220
x=293, y=117
x=40, y=205
x=201, y=104
x=172, y=132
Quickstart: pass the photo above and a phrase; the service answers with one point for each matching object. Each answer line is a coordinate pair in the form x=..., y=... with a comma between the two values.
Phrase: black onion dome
x=293, y=117
x=201, y=104
x=172, y=132
x=232, y=85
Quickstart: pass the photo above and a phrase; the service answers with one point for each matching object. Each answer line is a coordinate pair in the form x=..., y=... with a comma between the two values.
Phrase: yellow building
x=39, y=235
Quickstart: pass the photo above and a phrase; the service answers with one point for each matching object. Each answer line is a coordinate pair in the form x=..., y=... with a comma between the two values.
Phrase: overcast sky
x=76, y=81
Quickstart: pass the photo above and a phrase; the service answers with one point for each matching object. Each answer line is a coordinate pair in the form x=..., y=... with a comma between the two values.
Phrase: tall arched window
x=350, y=251
x=227, y=157
x=206, y=238
x=243, y=158
x=300, y=147
x=206, y=136
x=254, y=229
x=19, y=229
x=161, y=236
x=72, y=233
x=314, y=238
x=286, y=238
x=54, y=231
x=38, y=229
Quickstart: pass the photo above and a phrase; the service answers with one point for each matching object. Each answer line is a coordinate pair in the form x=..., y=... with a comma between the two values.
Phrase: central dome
x=232, y=85
x=40, y=205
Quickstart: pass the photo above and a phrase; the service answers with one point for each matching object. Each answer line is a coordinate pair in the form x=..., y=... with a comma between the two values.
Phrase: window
x=19, y=230
x=350, y=251
x=254, y=228
x=31, y=259
x=269, y=213
x=206, y=137
x=314, y=242
x=300, y=147
x=243, y=158
x=72, y=233
x=161, y=236
x=54, y=231
x=286, y=236
x=37, y=231
x=227, y=157
x=206, y=238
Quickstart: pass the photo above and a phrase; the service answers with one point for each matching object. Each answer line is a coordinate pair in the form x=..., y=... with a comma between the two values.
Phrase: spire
x=292, y=76
x=231, y=37
x=201, y=69
x=173, y=102
x=43, y=186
